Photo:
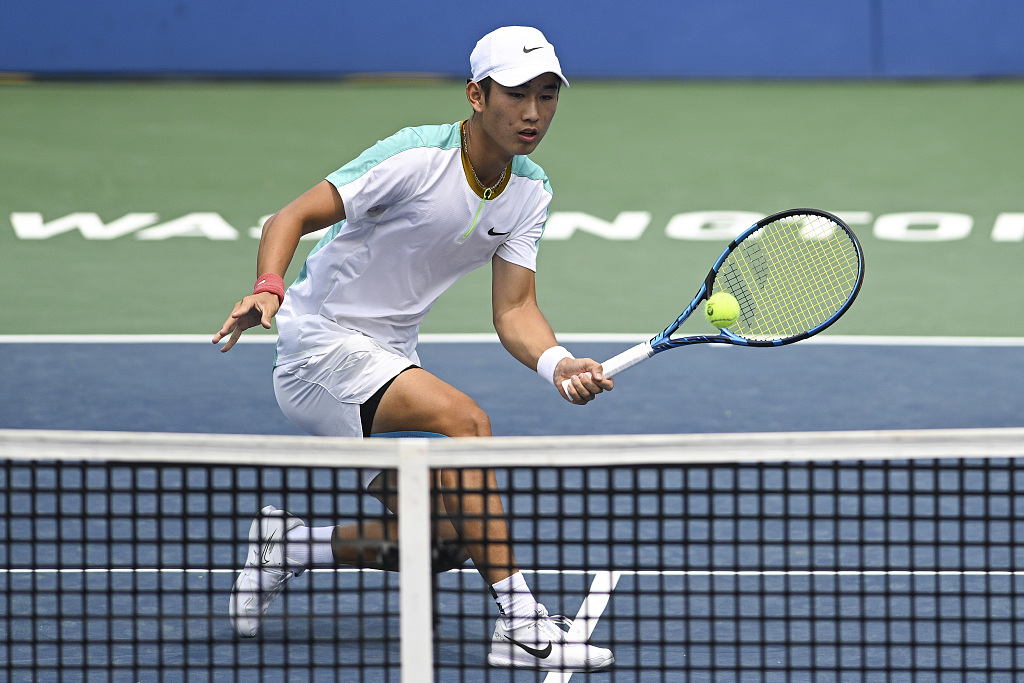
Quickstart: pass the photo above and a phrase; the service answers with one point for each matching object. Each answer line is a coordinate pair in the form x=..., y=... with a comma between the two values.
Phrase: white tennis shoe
x=265, y=573
x=544, y=644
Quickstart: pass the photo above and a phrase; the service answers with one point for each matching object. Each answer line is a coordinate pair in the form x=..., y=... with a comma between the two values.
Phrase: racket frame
x=664, y=339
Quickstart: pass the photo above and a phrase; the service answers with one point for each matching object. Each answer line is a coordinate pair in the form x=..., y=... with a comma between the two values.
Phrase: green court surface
x=233, y=152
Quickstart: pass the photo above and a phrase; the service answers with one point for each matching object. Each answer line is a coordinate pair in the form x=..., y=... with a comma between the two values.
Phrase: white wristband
x=549, y=360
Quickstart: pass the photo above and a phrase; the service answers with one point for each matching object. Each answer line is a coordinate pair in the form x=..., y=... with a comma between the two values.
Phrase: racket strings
x=790, y=276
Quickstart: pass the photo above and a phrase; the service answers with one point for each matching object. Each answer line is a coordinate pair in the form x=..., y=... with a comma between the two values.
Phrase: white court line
x=601, y=588
x=607, y=575
x=590, y=612
x=488, y=338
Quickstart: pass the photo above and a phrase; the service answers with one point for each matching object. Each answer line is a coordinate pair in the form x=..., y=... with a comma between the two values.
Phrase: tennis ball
x=722, y=310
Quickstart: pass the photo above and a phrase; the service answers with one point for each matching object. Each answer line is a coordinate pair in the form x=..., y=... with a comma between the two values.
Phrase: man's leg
x=375, y=544
x=527, y=636
x=419, y=401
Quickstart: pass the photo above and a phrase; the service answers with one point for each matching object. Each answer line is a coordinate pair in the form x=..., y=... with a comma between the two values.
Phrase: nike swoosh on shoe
x=266, y=548
x=539, y=654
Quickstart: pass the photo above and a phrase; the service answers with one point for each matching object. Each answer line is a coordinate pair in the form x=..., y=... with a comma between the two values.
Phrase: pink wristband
x=270, y=282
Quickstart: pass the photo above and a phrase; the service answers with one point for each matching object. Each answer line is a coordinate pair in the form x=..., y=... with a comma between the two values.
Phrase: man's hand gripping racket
x=793, y=274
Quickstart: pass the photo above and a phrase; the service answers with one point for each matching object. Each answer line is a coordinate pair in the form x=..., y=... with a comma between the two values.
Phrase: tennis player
x=407, y=218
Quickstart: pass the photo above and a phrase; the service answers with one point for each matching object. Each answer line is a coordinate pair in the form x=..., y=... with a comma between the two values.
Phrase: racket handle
x=623, y=361
x=627, y=359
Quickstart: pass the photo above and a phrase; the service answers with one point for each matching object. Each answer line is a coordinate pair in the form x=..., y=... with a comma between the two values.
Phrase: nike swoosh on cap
x=531, y=49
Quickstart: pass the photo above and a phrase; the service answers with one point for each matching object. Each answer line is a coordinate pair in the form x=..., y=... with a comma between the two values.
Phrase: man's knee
x=418, y=401
x=466, y=418
x=462, y=417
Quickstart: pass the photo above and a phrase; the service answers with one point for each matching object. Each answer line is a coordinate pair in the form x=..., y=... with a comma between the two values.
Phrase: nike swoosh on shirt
x=539, y=654
x=496, y=234
x=531, y=49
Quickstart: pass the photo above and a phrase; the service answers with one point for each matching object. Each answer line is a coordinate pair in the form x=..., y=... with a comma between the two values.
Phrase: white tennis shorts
x=322, y=394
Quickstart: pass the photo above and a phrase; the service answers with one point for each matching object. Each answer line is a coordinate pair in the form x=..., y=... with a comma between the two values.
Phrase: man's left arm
x=526, y=334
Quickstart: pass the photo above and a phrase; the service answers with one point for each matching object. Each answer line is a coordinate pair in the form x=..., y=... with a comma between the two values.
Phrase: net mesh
x=687, y=561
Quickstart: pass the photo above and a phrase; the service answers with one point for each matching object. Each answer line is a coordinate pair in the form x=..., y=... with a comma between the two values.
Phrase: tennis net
x=859, y=556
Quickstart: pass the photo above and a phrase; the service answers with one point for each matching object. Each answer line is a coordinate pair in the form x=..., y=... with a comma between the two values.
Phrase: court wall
x=603, y=38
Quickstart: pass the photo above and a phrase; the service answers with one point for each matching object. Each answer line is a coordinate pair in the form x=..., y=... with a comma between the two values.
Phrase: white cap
x=513, y=55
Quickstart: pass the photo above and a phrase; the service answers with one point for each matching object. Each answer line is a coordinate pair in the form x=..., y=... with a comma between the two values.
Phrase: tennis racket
x=793, y=274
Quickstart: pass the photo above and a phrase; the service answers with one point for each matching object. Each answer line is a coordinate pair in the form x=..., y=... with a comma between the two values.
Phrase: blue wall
x=599, y=38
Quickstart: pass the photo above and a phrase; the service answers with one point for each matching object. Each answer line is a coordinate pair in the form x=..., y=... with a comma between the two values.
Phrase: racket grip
x=623, y=361
x=627, y=359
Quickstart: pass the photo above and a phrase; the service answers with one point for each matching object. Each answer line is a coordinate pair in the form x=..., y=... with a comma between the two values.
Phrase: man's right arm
x=317, y=208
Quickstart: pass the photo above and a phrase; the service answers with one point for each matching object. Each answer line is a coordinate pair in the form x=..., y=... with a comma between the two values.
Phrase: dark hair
x=485, y=85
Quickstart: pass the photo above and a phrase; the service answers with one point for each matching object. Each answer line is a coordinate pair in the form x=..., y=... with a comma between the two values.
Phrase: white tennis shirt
x=416, y=221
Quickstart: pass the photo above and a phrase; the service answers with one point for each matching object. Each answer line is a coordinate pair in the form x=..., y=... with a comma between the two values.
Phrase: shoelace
x=274, y=586
x=548, y=624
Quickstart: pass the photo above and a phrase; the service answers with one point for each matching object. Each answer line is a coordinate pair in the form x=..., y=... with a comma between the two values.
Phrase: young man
x=410, y=216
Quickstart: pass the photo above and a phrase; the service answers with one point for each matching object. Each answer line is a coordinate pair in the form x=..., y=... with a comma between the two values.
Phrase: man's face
x=517, y=118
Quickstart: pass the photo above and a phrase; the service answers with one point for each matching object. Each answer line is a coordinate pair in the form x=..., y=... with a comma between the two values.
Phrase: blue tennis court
x=774, y=572
x=141, y=145
x=190, y=387
x=856, y=570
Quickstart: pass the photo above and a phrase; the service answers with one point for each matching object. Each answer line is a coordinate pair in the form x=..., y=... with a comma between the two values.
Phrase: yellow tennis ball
x=722, y=310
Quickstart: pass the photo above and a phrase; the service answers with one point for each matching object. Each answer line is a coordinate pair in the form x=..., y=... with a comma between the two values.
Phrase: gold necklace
x=488, y=191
